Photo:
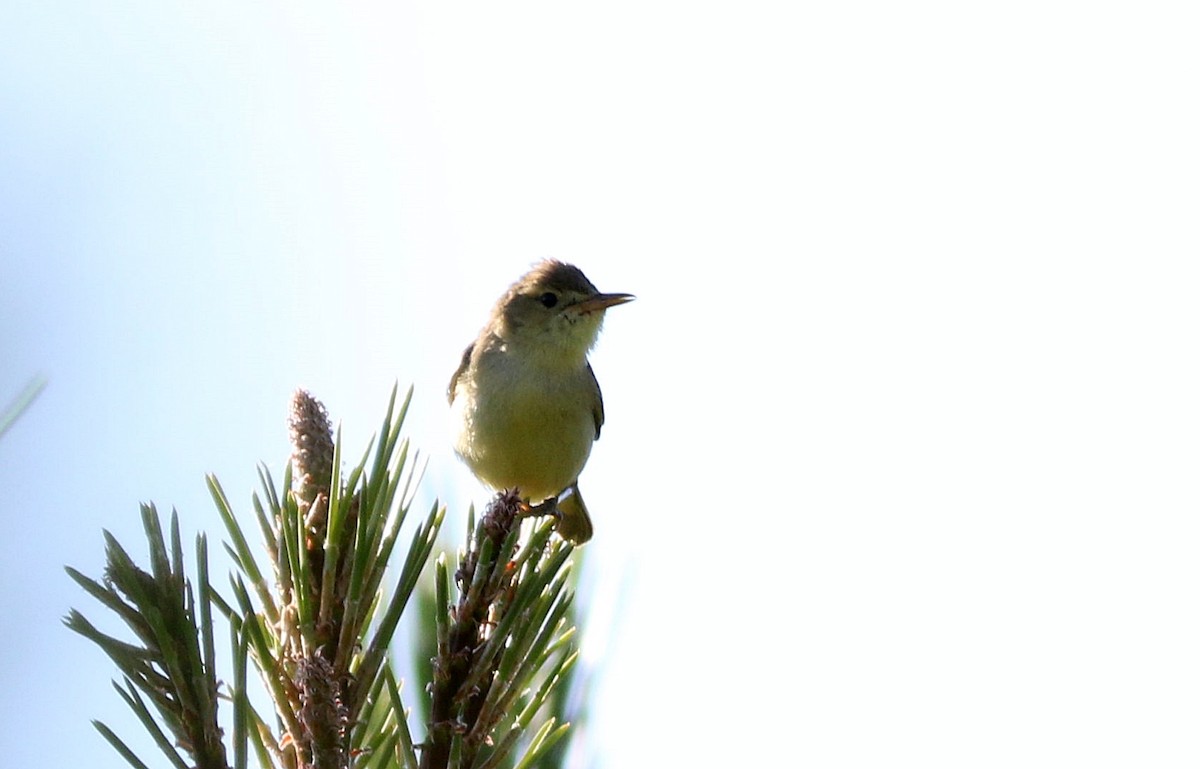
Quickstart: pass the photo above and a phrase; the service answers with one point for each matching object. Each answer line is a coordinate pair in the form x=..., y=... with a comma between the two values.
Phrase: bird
x=525, y=402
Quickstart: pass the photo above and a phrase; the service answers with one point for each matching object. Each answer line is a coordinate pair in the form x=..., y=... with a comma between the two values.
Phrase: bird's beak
x=600, y=302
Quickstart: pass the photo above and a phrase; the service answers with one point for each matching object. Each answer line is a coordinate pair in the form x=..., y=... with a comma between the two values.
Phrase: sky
x=902, y=429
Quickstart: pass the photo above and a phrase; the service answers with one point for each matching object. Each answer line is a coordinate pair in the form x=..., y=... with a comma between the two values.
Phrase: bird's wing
x=597, y=401
x=462, y=367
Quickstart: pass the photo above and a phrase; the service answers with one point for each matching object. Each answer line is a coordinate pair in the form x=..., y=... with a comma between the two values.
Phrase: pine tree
x=315, y=615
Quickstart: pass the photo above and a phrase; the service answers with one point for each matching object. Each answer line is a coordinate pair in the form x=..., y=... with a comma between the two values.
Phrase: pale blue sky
x=901, y=455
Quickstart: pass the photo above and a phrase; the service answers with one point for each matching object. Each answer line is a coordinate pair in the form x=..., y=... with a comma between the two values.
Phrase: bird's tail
x=574, y=523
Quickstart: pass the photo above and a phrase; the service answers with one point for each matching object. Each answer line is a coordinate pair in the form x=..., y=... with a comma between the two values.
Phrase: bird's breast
x=524, y=426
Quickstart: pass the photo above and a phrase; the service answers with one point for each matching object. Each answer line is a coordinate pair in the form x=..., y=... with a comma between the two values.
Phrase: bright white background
x=901, y=465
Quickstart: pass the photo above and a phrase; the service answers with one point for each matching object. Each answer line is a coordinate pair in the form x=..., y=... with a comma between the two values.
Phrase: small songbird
x=524, y=399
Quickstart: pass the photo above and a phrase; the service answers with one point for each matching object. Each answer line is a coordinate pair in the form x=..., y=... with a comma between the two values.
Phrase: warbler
x=525, y=402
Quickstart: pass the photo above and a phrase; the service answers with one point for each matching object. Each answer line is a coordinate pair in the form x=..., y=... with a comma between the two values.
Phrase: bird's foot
x=545, y=507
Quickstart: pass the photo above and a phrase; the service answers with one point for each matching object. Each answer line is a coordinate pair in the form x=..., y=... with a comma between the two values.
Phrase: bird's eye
x=548, y=299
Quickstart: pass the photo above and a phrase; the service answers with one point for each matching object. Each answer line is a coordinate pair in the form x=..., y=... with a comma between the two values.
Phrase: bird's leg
x=548, y=506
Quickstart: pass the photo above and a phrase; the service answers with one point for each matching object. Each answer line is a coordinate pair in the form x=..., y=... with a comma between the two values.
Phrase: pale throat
x=561, y=347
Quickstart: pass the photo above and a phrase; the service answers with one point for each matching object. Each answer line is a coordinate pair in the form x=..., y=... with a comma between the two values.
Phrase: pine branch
x=502, y=631
x=173, y=664
x=328, y=541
